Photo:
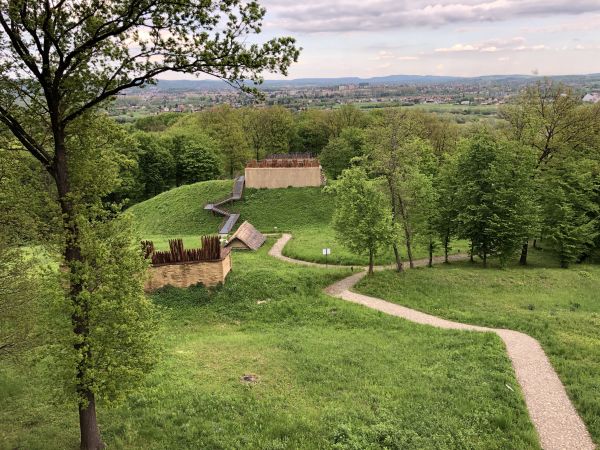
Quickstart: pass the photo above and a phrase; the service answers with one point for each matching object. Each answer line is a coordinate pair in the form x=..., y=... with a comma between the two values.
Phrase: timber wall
x=186, y=274
x=282, y=177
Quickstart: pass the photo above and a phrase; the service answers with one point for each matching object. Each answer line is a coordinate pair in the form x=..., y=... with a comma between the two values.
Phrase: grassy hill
x=305, y=212
x=180, y=211
x=328, y=375
x=558, y=307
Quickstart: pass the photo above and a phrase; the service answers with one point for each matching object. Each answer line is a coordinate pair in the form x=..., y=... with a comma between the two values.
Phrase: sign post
x=326, y=252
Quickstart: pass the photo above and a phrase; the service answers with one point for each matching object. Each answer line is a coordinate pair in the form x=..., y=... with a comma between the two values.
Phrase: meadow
x=304, y=212
x=322, y=374
x=558, y=307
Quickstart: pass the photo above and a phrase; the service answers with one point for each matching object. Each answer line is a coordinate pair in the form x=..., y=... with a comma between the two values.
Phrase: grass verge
x=329, y=374
x=558, y=307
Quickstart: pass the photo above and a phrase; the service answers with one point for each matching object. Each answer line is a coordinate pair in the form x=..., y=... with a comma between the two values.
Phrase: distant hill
x=213, y=85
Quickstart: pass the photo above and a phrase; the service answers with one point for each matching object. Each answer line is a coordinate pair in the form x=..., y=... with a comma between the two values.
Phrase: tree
x=446, y=213
x=569, y=210
x=28, y=217
x=122, y=319
x=338, y=153
x=195, y=157
x=198, y=162
x=425, y=216
x=155, y=163
x=157, y=123
x=312, y=132
x=61, y=59
x=549, y=118
x=20, y=293
x=442, y=132
x=362, y=219
x=493, y=197
x=348, y=116
x=398, y=154
x=28, y=214
x=269, y=130
x=225, y=125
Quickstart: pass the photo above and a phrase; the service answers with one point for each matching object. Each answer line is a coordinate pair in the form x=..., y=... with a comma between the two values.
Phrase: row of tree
x=536, y=177
x=174, y=149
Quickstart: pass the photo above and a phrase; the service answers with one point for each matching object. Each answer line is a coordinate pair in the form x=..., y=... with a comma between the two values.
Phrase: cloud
x=383, y=55
x=369, y=15
x=518, y=44
x=456, y=48
x=591, y=22
x=386, y=55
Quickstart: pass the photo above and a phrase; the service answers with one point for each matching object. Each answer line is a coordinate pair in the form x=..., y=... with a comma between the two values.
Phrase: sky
x=369, y=38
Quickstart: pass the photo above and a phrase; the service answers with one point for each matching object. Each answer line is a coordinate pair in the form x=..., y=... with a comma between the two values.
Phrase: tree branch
x=20, y=48
x=28, y=142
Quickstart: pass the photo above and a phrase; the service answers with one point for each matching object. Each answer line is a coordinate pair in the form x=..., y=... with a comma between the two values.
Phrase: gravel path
x=552, y=413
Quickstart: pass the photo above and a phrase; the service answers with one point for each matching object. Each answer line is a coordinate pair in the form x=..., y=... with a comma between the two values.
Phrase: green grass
x=560, y=308
x=477, y=110
x=305, y=212
x=330, y=374
x=180, y=211
x=307, y=244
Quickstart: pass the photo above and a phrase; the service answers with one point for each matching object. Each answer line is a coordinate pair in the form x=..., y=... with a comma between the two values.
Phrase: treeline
x=531, y=176
x=173, y=149
x=535, y=176
x=178, y=149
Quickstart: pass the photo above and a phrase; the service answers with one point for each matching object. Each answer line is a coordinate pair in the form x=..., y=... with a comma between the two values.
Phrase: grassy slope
x=306, y=212
x=560, y=308
x=330, y=375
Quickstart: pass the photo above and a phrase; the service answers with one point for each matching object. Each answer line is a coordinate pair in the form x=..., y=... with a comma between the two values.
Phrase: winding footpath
x=558, y=425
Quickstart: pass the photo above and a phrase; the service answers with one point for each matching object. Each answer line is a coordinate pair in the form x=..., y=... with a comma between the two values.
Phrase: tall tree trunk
x=88, y=425
x=485, y=254
x=446, y=248
x=90, y=434
x=407, y=232
x=371, y=263
x=408, y=236
x=399, y=265
x=430, y=264
x=524, y=252
x=471, y=258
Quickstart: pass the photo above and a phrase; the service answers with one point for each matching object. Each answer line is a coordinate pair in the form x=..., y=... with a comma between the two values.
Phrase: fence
x=283, y=163
x=211, y=251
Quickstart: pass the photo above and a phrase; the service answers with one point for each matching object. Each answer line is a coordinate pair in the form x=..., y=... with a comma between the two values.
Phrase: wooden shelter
x=246, y=237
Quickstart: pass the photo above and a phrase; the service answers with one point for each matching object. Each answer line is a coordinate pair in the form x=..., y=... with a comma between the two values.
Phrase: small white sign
x=327, y=251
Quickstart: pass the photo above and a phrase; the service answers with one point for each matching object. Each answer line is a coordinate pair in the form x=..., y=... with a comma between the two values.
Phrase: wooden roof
x=249, y=236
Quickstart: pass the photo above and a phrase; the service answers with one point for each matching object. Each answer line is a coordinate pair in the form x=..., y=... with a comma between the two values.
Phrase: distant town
x=196, y=95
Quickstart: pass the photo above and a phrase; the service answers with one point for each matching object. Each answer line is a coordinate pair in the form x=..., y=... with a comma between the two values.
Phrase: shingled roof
x=249, y=236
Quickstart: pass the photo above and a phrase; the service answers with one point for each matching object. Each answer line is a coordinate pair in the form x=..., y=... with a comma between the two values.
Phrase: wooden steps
x=230, y=219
